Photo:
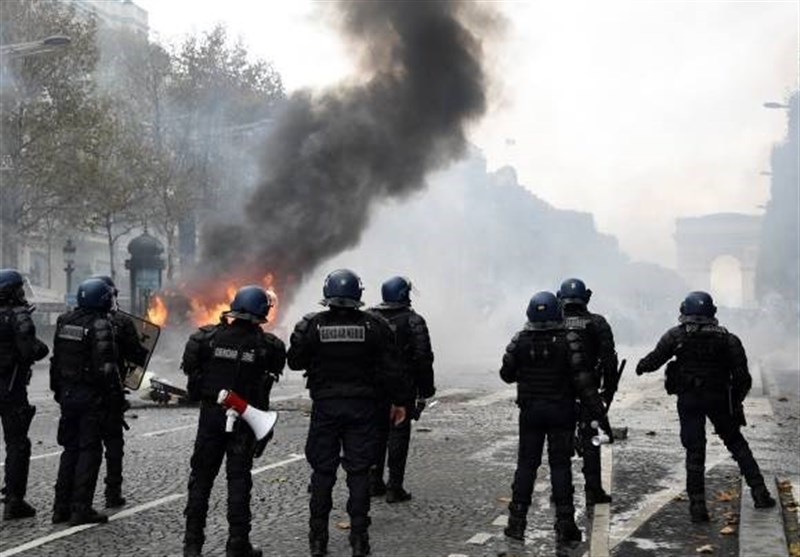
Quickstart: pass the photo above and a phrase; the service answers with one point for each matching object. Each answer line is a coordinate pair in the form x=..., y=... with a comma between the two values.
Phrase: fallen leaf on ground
x=423, y=429
x=792, y=507
x=726, y=496
x=651, y=433
x=727, y=530
x=708, y=548
x=785, y=485
x=783, y=399
x=343, y=525
x=680, y=497
x=504, y=499
x=794, y=549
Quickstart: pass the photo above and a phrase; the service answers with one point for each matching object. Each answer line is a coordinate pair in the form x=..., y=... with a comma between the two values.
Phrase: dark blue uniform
x=240, y=357
x=350, y=362
x=85, y=380
x=19, y=349
x=710, y=376
x=601, y=360
x=416, y=361
x=548, y=364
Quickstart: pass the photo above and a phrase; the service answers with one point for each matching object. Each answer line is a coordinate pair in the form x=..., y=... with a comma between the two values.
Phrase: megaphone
x=602, y=437
x=260, y=422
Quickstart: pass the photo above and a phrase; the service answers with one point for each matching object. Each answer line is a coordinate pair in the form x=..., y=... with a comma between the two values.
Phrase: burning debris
x=190, y=305
x=334, y=154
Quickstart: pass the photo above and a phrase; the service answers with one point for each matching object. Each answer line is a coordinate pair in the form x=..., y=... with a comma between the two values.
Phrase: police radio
x=260, y=422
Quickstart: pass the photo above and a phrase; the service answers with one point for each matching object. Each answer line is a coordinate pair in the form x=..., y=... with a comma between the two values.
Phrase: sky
x=639, y=112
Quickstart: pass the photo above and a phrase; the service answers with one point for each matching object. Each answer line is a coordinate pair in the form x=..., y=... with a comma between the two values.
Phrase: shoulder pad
x=305, y=322
x=416, y=320
x=512, y=345
x=274, y=341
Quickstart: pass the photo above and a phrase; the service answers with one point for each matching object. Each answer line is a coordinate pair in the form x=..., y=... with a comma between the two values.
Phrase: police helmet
x=11, y=283
x=574, y=291
x=342, y=288
x=397, y=290
x=251, y=303
x=699, y=304
x=94, y=293
x=544, y=306
x=109, y=281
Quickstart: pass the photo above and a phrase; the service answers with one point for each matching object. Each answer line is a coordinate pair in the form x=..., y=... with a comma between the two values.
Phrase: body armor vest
x=583, y=324
x=544, y=370
x=72, y=347
x=702, y=357
x=348, y=348
x=236, y=361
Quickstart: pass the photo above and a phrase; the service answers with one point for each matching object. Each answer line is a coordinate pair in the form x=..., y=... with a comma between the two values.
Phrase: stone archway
x=702, y=240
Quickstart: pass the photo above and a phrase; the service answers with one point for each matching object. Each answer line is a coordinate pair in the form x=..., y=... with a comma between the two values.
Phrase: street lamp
x=69, y=262
x=41, y=46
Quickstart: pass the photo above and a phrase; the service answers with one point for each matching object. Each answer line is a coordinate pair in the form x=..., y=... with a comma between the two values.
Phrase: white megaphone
x=260, y=422
x=602, y=437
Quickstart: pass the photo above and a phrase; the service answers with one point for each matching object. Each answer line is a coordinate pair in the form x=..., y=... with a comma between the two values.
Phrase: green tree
x=47, y=114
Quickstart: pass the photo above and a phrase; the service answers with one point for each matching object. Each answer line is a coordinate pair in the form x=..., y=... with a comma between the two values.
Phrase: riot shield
x=148, y=338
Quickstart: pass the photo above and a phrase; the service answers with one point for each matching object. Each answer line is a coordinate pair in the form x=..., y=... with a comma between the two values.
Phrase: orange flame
x=206, y=312
x=157, y=311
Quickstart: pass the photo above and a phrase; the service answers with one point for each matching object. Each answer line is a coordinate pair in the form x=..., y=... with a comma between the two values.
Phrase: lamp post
x=40, y=46
x=69, y=262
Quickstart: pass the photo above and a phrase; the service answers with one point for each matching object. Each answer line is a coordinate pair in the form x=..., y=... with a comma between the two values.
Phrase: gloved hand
x=419, y=407
x=602, y=423
x=639, y=369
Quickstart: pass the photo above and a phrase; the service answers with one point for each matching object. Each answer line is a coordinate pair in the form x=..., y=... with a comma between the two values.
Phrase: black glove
x=603, y=424
x=639, y=369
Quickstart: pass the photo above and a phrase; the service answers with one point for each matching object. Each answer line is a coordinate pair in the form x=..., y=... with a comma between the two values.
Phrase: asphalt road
x=460, y=470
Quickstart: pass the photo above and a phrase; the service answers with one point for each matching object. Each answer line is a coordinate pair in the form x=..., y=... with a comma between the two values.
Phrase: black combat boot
x=517, y=521
x=761, y=497
x=114, y=499
x=597, y=496
x=359, y=542
x=318, y=537
x=194, y=537
x=61, y=514
x=86, y=515
x=567, y=532
x=397, y=495
x=698, y=510
x=241, y=547
x=17, y=508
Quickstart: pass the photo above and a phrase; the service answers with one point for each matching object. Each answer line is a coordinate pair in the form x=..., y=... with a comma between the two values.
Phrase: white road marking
x=164, y=431
x=602, y=512
x=501, y=521
x=292, y=458
x=39, y=456
x=478, y=539
x=491, y=398
x=760, y=530
x=128, y=512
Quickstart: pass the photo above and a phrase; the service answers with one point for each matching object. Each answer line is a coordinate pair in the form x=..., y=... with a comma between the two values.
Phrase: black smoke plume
x=333, y=155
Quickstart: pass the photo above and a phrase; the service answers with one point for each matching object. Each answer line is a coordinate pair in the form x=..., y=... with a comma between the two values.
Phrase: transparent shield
x=148, y=337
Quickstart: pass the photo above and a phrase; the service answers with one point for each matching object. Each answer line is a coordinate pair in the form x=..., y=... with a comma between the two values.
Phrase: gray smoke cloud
x=333, y=155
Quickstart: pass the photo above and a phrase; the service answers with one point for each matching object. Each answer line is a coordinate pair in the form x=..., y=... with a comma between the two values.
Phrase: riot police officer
x=19, y=349
x=549, y=366
x=237, y=355
x=130, y=352
x=416, y=360
x=84, y=378
x=601, y=358
x=350, y=360
x=710, y=376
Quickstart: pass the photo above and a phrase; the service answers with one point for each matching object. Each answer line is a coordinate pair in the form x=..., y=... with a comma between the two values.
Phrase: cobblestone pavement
x=460, y=469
